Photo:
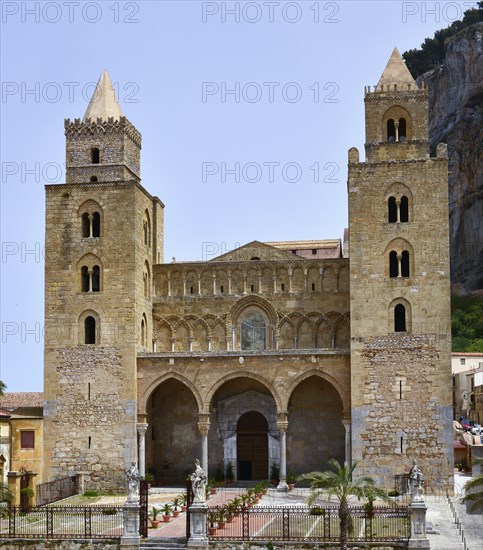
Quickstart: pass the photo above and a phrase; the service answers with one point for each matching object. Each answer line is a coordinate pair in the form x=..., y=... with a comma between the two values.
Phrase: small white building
x=467, y=369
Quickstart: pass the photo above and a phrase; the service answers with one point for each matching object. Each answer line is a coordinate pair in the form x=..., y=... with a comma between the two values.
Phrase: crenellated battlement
x=111, y=125
x=400, y=89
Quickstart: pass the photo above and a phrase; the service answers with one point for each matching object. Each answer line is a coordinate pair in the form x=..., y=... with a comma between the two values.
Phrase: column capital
x=142, y=427
x=282, y=422
x=203, y=423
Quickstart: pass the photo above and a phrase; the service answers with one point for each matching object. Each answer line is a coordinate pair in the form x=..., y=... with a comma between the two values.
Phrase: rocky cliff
x=456, y=118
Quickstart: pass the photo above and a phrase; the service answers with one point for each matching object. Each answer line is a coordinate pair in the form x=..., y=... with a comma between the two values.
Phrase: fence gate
x=24, y=483
x=143, y=508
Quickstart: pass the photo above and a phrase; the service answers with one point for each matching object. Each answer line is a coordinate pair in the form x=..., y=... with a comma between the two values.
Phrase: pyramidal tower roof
x=396, y=71
x=104, y=103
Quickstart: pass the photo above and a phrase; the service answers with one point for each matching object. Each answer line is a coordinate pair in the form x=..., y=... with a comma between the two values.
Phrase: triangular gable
x=257, y=250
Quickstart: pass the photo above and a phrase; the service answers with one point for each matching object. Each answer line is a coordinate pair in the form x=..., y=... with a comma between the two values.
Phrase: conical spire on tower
x=104, y=103
x=396, y=71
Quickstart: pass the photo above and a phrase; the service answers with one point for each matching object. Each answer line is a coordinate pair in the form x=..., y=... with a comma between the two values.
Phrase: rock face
x=456, y=118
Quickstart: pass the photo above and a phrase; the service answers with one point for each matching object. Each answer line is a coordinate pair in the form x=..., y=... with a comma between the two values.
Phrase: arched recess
x=164, y=335
x=313, y=279
x=305, y=335
x=342, y=334
x=329, y=282
x=315, y=431
x=234, y=397
x=287, y=335
x=324, y=334
x=173, y=440
x=200, y=335
x=218, y=335
x=182, y=337
x=298, y=279
x=343, y=279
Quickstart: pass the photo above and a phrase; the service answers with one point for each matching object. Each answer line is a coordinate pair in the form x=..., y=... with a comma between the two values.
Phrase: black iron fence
x=55, y=490
x=308, y=524
x=65, y=522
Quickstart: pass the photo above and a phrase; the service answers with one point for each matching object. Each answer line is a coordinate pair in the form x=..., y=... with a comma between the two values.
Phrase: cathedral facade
x=275, y=355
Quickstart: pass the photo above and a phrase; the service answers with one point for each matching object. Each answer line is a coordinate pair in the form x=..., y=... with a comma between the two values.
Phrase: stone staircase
x=164, y=543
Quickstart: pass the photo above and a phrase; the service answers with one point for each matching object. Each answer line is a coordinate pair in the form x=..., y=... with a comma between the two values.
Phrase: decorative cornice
x=91, y=127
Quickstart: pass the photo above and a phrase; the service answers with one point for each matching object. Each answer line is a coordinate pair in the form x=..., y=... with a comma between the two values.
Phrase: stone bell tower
x=104, y=232
x=400, y=288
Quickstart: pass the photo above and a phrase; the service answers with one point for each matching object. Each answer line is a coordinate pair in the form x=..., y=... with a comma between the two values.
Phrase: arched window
x=147, y=229
x=399, y=318
x=253, y=331
x=393, y=264
x=89, y=330
x=392, y=210
x=405, y=264
x=404, y=210
x=95, y=157
x=93, y=179
x=143, y=332
x=96, y=224
x=86, y=225
x=391, y=131
x=84, y=279
x=402, y=130
x=96, y=279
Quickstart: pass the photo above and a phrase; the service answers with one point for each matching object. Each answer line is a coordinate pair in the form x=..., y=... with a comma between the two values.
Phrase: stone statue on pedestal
x=133, y=483
x=198, y=483
x=415, y=483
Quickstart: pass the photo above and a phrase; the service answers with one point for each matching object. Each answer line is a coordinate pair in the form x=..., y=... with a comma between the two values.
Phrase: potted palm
x=154, y=517
x=212, y=519
x=166, y=509
x=229, y=475
x=176, y=506
x=236, y=503
x=291, y=478
x=221, y=517
x=184, y=501
x=275, y=473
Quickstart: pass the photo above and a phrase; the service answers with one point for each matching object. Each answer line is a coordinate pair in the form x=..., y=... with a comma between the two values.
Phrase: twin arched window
x=90, y=279
x=398, y=210
x=399, y=264
x=91, y=224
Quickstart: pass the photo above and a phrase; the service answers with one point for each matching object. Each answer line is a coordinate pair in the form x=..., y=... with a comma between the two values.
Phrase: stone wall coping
x=244, y=353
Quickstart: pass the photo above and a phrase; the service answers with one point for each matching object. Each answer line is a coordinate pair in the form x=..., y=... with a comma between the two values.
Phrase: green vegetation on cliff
x=467, y=324
x=433, y=50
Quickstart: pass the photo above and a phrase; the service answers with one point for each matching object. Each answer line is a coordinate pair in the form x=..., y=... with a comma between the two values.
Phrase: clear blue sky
x=318, y=57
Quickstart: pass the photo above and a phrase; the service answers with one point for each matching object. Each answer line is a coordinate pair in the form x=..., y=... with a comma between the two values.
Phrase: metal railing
x=63, y=522
x=55, y=490
x=305, y=524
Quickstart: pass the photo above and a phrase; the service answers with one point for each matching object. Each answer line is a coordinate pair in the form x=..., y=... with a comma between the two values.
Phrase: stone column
x=398, y=210
x=229, y=282
x=204, y=427
x=142, y=448
x=347, y=425
x=259, y=282
x=282, y=425
x=80, y=479
x=214, y=283
x=290, y=280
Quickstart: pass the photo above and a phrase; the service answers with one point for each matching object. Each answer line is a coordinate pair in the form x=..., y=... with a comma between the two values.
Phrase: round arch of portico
x=343, y=394
x=143, y=400
x=243, y=374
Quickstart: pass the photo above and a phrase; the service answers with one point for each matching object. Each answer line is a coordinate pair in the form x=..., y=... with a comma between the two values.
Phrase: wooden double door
x=252, y=447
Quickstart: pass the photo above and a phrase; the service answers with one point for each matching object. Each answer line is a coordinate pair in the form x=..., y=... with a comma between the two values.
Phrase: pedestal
x=418, y=526
x=198, y=538
x=131, y=538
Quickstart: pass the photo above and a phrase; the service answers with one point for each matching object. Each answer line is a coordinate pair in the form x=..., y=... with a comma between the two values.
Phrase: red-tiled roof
x=14, y=400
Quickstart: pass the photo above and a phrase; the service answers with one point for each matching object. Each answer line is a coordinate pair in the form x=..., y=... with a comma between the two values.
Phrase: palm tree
x=475, y=485
x=339, y=481
x=3, y=387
